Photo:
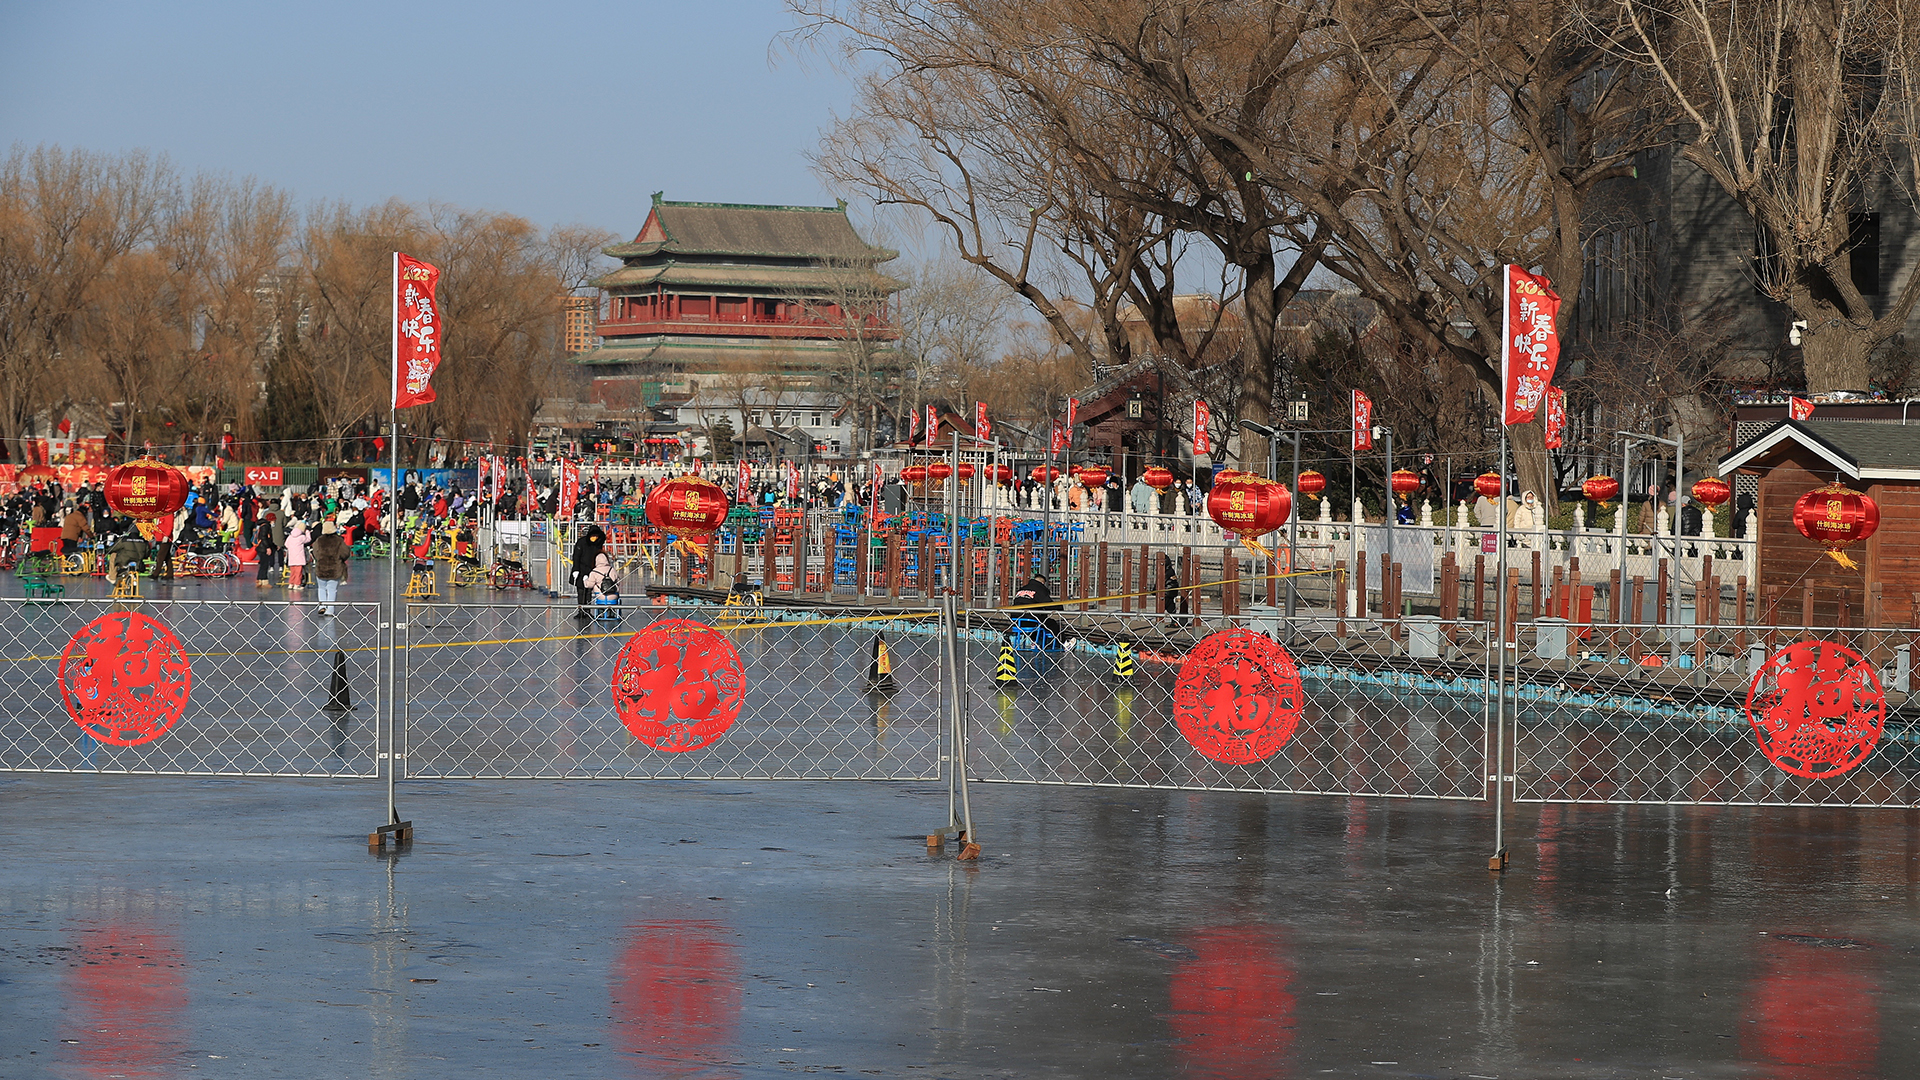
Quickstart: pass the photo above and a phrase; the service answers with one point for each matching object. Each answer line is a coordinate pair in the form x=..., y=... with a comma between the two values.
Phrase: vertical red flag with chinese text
x=982, y=429
x=416, y=330
x=1073, y=411
x=933, y=425
x=1058, y=440
x=569, y=487
x=1799, y=408
x=1201, y=419
x=1362, y=422
x=743, y=476
x=1556, y=417
x=1530, y=343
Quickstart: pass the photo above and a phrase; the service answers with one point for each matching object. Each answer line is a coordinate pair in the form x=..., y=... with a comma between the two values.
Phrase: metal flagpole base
x=401, y=832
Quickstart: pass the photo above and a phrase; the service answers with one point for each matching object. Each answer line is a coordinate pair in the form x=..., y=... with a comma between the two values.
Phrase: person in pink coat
x=297, y=540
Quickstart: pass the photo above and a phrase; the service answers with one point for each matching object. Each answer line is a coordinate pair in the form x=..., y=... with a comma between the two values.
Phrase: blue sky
x=570, y=113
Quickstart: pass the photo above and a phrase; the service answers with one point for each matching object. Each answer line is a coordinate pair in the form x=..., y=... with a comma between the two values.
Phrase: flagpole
x=1499, y=859
x=395, y=610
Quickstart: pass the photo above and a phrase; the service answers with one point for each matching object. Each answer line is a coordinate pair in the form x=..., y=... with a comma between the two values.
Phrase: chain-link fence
x=1310, y=706
x=529, y=691
x=226, y=688
x=1699, y=714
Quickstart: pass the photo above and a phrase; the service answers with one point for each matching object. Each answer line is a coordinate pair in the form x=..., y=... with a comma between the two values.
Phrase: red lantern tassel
x=1841, y=558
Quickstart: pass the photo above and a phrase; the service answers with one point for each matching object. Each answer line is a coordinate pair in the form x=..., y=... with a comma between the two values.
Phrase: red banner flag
x=913, y=433
x=743, y=477
x=1058, y=440
x=569, y=488
x=1530, y=343
x=1799, y=408
x=933, y=425
x=1201, y=418
x=1073, y=411
x=416, y=331
x=793, y=483
x=1362, y=422
x=982, y=429
x=1556, y=417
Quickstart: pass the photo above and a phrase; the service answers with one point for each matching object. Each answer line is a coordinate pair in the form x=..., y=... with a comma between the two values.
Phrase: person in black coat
x=586, y=552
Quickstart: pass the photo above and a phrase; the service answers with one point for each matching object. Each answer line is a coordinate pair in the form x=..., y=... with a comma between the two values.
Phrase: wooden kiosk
x=1797, y=582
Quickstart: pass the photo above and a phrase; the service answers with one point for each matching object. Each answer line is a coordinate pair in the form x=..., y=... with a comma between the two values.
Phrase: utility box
x=1423, y=637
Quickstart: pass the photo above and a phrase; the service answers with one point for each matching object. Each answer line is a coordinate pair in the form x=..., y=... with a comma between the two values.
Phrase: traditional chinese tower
x=712, y=288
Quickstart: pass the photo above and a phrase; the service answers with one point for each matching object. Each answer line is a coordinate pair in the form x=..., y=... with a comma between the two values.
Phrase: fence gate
x=195, y=688
x=1661, y=714
x=1361, y=717
x=529, y=692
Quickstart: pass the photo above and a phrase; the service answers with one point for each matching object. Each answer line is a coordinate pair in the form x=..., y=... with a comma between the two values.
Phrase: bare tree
x=65, y=217
x=1802, y=111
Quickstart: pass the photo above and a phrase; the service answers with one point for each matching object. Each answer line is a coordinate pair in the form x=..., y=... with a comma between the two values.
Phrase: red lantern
x=939, y=471
x=1158, y=478
x=146, y=489
x=1000, y=474
x=1600, y=489
x=1250, y=506
x=1043, y=473
x=1836, y=517
x=913, y=474
x=1711, y=491
x=1310, y=483
x=1094, y=476
x=1404, y=482
x=964, y=471
x=688, y=506
x=1489, y=485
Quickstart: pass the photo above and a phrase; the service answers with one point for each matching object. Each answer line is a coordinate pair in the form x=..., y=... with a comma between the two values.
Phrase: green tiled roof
x=1863, y=450
x=764, y=279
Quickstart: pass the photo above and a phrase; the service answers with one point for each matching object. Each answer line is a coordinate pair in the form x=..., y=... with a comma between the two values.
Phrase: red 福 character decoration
x=125, y=679
x=678, y=685
x=1239, y=697
x=1816, y=708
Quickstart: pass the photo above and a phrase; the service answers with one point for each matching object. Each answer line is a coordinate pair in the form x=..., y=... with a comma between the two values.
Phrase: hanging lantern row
x=1249, y=506
x=690, y=507
x=1600, y=489
x=1092, y=476
x=913, y=474
x=1404, y=483
x=1043, y=474
x=1836, y=517
x=939, y=471
x=1711, y=491
x=146, y=489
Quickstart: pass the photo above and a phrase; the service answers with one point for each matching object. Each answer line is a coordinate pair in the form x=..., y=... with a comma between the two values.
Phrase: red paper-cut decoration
x=678, y=685
x=1816, y=708
x=1238, y=699
x=125, y=679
